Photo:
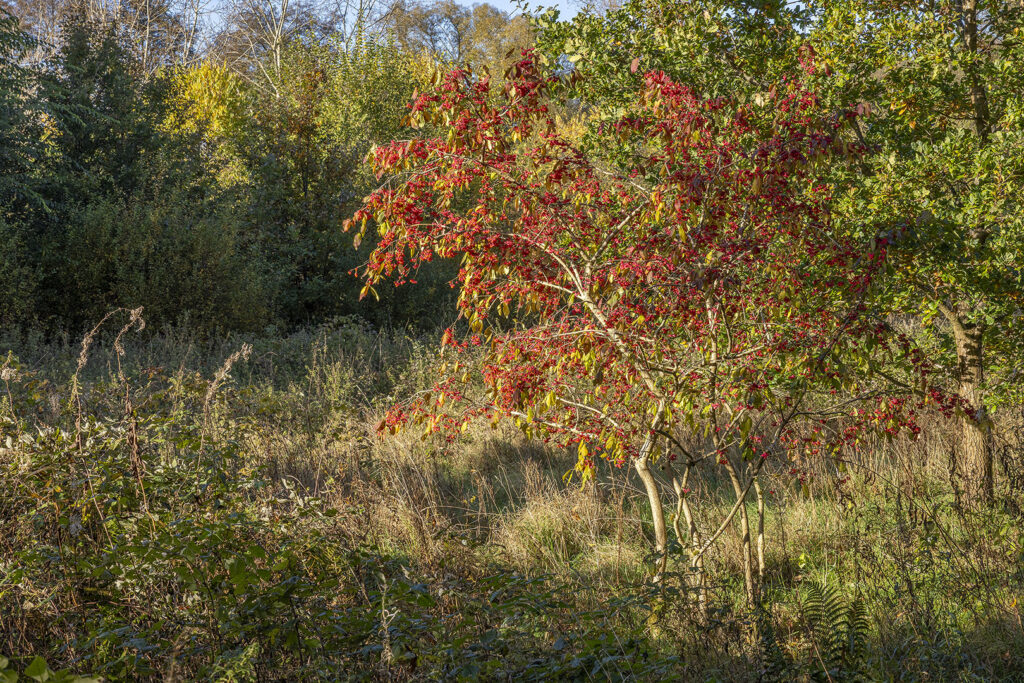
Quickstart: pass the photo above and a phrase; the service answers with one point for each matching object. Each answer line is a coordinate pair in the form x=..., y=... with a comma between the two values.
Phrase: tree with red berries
x=667, y=295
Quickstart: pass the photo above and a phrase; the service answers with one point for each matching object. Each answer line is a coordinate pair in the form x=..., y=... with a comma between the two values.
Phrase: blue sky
x=568, y=8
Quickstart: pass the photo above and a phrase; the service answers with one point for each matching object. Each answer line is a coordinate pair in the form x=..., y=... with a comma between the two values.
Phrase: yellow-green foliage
x=209, y=99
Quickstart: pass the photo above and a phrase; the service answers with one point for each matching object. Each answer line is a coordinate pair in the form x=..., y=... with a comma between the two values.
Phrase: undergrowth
x=167, y=515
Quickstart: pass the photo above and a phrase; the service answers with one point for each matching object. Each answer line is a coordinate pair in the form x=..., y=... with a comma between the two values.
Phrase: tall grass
x=180, y=517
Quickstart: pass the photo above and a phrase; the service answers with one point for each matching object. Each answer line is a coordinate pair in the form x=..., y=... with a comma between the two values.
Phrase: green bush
x=175, y=254
x=17, y=277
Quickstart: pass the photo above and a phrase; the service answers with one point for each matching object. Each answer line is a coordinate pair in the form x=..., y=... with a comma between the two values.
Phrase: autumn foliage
x=674, y=288
x=696, y=286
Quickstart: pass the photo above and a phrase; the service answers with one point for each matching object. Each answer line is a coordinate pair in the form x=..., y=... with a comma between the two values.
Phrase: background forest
x=231, y=450
x=202, y=171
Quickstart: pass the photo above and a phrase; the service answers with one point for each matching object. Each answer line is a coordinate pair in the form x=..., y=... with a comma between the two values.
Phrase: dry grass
x=303, y=409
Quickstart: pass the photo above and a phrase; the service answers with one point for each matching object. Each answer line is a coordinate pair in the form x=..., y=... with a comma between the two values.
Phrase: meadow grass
x=165, y=515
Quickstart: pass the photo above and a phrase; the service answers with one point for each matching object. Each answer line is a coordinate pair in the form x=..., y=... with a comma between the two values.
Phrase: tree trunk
x=975, y=428
x=749, y=581
x=642, y=465
x=979, y=97
x=760, y=532
x=697, y=580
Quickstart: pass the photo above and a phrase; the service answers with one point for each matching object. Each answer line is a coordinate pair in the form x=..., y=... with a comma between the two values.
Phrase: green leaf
x=38, y=670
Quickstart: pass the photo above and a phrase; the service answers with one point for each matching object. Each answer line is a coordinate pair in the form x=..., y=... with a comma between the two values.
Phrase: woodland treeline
x=200, y=164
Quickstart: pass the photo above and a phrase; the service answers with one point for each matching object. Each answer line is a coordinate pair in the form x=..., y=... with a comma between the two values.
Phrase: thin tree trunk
x=642, y=466
x=760, y=533
x=975, y=429
x=748, y=564
x=979, y=97
x=698, y=578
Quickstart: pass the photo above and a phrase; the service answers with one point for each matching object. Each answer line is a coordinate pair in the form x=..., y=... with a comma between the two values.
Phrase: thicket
x=190, y=192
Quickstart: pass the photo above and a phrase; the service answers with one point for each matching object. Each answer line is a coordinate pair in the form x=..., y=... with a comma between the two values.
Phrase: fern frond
x=838, y=630
x=856, y=635
x=775, y=665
